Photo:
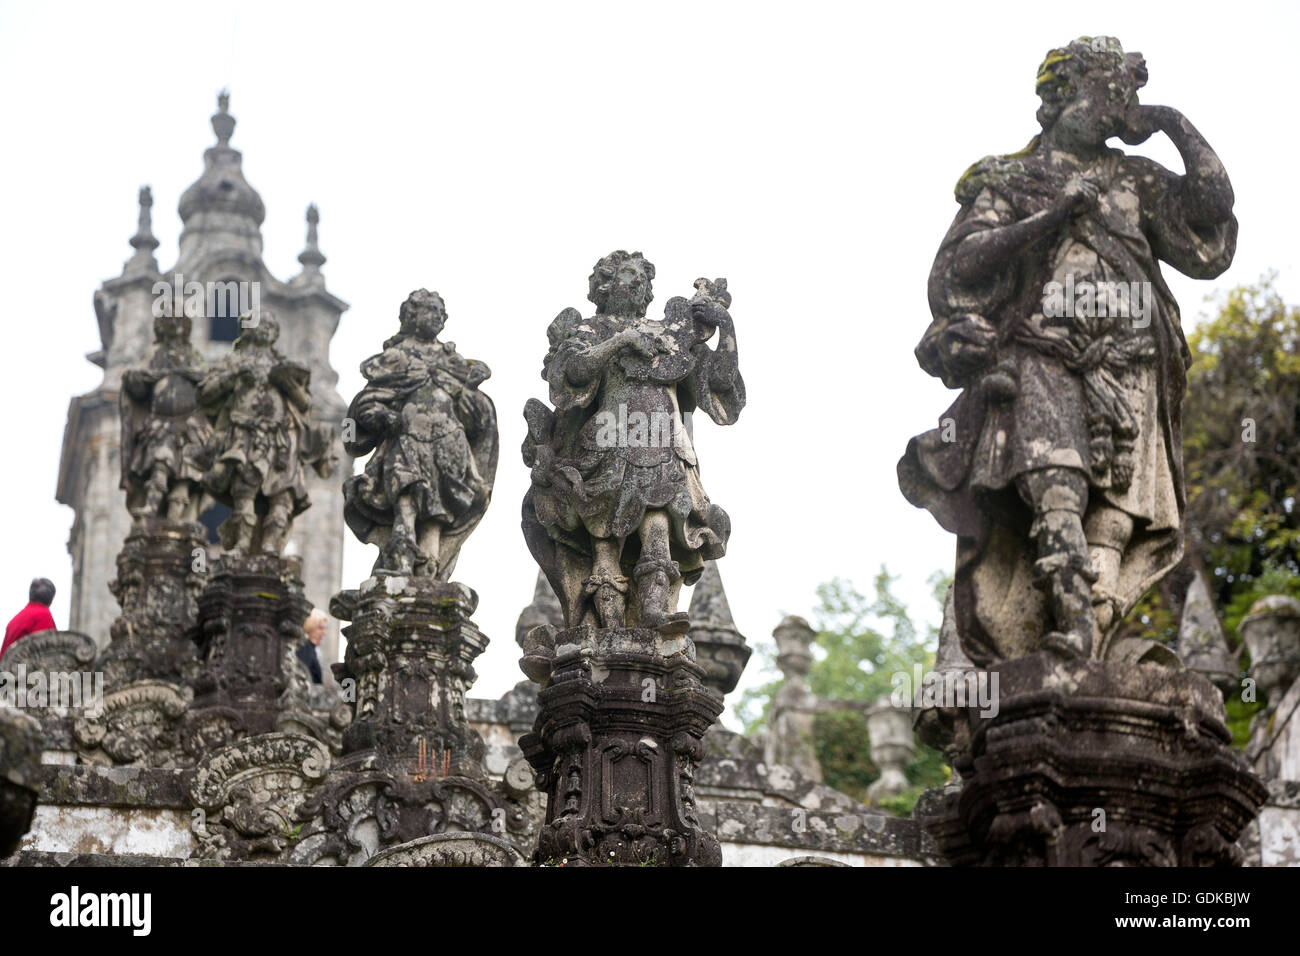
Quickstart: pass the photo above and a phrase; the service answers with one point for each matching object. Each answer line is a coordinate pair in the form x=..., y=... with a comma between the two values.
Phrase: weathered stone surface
x=1202, y=645
x=1059, y=467
x=720, y=648
x=613, y=463
x=250, y=624
x=616, y=747
x=789, y=739
x=889, y=729
x=20, y=761
x=434, y=438
x=410, y=651
x=1092, y=764
x=166, y=438
x=161, y=570
x=259, y=401
x=451, y=849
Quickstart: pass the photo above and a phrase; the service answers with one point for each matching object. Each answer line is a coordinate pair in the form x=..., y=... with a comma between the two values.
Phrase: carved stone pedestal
x=1094, y=764
x=410, y=651
x=616, y=746
x=161, y=571
x=250, y=623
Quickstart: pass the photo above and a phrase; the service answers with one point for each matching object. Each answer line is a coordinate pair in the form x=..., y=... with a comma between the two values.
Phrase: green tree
x=1241, y=452
x=861, y=643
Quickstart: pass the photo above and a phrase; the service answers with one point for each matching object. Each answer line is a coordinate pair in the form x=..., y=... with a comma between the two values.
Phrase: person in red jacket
x=34, y=617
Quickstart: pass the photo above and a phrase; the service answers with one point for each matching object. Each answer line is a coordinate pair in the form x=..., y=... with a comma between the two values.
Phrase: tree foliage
x=861, y=643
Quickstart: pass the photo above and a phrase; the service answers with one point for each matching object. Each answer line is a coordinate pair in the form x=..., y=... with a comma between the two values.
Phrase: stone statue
x=260, y=403
x=165, y=437
x=616, y=516
x=1059, y=467
x=434, y=437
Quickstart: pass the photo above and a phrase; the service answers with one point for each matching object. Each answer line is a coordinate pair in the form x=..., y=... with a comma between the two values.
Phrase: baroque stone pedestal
x=616, y=746
x=161, y=571
x=250, y=623
x=148, y=666
x=1087, y=763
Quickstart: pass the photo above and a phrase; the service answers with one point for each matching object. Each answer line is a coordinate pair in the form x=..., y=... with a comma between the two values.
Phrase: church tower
x=221, y=250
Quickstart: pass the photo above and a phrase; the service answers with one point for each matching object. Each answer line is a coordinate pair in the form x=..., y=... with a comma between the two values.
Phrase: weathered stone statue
x=617, y=516
x=260, y=402
x=165, y=437
x=618, y=520
x=434, y=437
x=1059, y=467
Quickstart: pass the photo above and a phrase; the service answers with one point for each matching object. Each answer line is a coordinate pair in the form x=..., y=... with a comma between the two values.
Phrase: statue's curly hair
x=606, y=269
x=1062, y=69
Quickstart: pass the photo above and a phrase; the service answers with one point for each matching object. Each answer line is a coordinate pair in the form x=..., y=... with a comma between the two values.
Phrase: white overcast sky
x=492, y=152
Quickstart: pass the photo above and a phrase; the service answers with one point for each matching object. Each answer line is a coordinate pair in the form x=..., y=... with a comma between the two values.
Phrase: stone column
x=789, y=740
x=617, y=744
x=1271, y=634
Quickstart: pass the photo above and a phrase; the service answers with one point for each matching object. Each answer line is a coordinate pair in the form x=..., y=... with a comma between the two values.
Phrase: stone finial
x=144, y=242
x=311, y=257
x=719, y=647
x=1202, y=646
x=892, y=747
x=1271, y=632
x=544, y=609
x=794, y=638
x=789, y=741
x=223, y=124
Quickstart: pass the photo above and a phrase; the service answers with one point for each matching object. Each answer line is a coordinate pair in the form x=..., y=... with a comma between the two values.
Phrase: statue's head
x=171, y=329
x=1086, y=88
x=259, y=329
x=621, y=284
x=423, y=315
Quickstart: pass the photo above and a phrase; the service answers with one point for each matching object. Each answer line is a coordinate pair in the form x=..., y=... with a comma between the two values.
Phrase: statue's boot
x=1064, y=572
x=653, y=580
x=608, y=592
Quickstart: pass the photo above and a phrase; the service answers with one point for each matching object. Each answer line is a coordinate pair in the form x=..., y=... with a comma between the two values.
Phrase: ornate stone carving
x=140, y=725
x=451, y=849
x=434, y=438
x=160, y=574
x=166, y=438
x=614, y=463
x=616, y=747
x=250, y=795
x=260, y=402
x=618, y=520
x=52, y=652
x=1086, y=764
x=250, y=622
x=410, y=651
x=1059, y=467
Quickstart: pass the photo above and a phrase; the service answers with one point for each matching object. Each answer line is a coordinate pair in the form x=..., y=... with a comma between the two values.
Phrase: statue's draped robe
x=259, y=427
x=584, y=489
x=443, y=456
x=165, y=427
x=1065, y=369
